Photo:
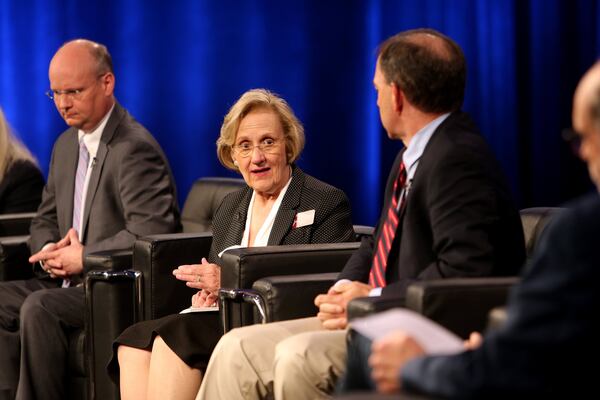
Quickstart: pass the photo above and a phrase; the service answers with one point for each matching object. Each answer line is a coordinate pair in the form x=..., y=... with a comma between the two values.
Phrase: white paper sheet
x=434, y=338
x=199, y=309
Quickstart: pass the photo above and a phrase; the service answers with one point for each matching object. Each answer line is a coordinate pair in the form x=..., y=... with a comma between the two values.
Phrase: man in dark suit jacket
x=553, y=318
x=109, y=182
x=453, y=214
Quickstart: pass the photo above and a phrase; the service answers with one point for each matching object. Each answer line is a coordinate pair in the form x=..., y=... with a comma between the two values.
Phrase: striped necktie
x=388, y=232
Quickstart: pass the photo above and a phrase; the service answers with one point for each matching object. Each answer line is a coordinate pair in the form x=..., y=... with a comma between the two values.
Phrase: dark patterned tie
x=388, y=232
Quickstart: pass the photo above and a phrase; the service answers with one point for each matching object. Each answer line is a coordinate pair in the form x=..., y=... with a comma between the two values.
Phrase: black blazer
x=459, y=219
x=332, y=222
x=551, y=334
x=21, y=188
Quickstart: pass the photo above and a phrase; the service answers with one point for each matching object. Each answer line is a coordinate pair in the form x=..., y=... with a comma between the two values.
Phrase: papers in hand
x=434, y=338
x=199, y=309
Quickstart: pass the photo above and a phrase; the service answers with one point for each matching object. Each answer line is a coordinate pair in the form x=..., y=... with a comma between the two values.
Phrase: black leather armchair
x=14, y=252
x=136, y=284
x=462, y=305
x=242, y=274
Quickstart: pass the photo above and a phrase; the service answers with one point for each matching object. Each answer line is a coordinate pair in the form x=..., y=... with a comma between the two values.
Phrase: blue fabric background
x=181, y=64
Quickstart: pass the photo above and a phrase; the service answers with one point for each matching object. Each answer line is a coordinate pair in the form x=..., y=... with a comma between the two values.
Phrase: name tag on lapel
x=304, y=218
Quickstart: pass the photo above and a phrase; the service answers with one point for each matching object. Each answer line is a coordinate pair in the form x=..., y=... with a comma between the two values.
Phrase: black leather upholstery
x=534, y=221
x=461, y=305
x=285, y=299
x=243, y=267
x=118, y=296
x=15, y=224
x=203, y=200
x=14, y=252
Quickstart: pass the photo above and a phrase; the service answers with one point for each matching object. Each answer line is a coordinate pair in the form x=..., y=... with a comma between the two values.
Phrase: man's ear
x=397, y=98
x=108, y=80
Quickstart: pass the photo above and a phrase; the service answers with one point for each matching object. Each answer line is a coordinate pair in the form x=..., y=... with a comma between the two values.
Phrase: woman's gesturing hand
x=205, y=276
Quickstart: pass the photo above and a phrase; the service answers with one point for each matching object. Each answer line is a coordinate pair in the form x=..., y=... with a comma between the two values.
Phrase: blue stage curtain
x=181, y=64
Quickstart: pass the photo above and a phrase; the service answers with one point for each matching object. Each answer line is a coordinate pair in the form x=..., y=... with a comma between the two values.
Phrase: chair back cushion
x=204, y=198
x=534, y=222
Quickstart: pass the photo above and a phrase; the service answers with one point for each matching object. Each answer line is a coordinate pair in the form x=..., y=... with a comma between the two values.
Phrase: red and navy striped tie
x=388, y=232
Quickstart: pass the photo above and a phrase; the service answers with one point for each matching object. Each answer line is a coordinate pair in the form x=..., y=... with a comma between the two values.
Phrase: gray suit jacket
x=131, y=190
x=332, y=223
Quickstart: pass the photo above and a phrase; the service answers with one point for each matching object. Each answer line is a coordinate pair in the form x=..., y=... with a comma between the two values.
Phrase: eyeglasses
x=266, y=146
x=73, y=94
x=573, y=138
x=70, y=93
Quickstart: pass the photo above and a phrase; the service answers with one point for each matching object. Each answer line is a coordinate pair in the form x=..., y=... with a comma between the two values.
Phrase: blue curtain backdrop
x=181, y=64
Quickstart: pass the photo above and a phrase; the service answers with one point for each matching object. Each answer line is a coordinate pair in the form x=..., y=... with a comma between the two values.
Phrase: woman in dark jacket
x=261, y=138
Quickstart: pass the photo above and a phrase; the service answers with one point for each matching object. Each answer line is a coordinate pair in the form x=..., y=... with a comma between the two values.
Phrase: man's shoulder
x=580, y=215
x=67, y=136
x=458, y=131
x=458, y=141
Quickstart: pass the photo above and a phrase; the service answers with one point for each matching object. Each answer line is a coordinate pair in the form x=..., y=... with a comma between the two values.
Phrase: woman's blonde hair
x=293, y=130
x=11, y=149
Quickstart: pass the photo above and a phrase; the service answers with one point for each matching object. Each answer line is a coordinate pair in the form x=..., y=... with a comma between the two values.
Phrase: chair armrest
x=461, y=305
x=362, y=231
x=156, y=257
x=112, y=304
x=364, y=306
x=290, y=297
x=242, y=267
x=109, y=260
x=14, y=255
x=15, y=224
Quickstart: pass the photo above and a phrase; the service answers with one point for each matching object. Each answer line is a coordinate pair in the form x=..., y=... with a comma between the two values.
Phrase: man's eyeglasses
x=70, y=93
x=73, y=94
x=573, y=138
x=266, y=146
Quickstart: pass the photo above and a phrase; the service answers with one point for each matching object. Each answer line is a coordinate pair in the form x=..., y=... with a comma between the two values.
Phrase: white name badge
x=305, y=218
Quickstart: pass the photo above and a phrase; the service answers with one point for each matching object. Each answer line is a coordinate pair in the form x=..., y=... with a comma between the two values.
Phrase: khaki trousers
x=295, y=359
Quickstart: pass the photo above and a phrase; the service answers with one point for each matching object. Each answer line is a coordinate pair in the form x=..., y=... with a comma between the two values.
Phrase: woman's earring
x=235, y=163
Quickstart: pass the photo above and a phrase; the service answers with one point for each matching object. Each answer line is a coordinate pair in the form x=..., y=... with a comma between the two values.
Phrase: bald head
x=586, y=120
x=428, y=67
x=91, y=54
x=82, y=81
x=586, y=101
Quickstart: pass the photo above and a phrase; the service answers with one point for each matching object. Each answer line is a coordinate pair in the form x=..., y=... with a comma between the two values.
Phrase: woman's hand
x=204, y=298
x=205, y=276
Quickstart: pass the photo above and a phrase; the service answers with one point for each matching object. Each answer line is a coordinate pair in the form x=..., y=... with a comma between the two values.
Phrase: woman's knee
x=130, y=355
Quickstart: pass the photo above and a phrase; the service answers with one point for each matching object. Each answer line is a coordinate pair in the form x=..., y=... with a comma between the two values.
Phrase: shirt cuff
x=375, y=292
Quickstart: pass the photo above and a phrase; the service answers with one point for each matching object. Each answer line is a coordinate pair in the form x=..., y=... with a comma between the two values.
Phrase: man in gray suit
x=109, y=183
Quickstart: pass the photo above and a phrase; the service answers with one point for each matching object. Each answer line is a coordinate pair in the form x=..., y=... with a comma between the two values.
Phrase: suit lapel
x=64, y=198
x=287, y=210
x=238, y=220
x=98, y=162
